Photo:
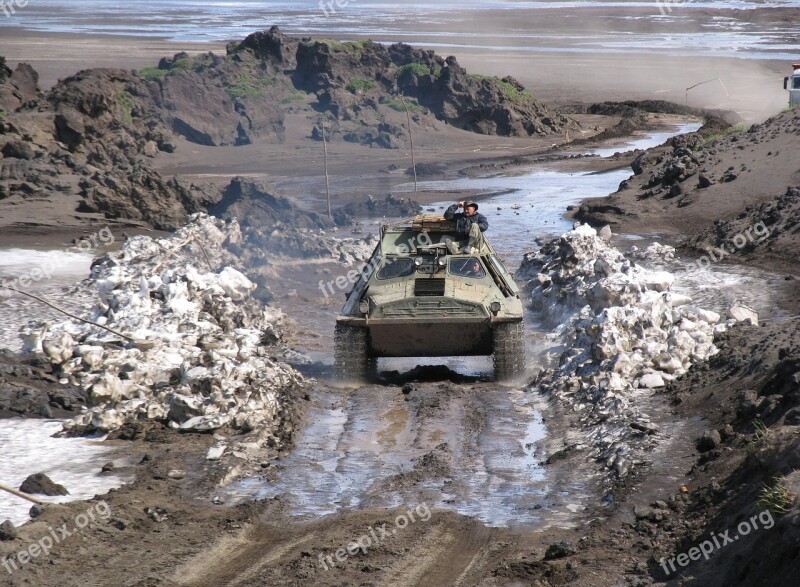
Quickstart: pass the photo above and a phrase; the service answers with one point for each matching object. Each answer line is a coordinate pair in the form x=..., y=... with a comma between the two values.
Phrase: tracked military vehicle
x=415, y=298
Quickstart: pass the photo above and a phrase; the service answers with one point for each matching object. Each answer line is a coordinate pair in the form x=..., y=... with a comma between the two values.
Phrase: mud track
x=382, y=456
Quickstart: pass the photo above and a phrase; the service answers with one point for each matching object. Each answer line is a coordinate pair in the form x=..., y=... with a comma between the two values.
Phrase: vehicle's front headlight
x=495, y=307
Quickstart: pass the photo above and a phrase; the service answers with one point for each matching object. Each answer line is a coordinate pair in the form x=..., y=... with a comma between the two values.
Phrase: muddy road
x=432, y=475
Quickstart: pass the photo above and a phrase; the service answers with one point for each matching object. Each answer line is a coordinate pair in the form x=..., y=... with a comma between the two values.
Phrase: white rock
x=58, y=348
x=235, y=284
x=658, y=280
x=705, y=315
x=215, y=452
x=91, y=355
x=32, y=338
x=107, y=388
x=651, y=380
x=204, y=423
x=742, y=313
x=679, y=299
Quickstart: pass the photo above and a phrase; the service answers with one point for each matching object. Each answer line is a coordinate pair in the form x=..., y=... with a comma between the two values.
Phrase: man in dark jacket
x=469, y=222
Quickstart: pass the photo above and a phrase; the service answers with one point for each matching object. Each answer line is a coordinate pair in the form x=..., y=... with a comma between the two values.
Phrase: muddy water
x=533, y=201
x=471, y=449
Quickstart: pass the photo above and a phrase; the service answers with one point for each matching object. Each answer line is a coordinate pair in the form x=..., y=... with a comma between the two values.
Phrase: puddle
x=75, y=463
x=374, y=449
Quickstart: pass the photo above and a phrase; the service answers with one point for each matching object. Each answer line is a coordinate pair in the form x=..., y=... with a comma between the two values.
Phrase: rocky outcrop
x=91, y=139
x=715, y=174
x=349, y=76
x=485, y=105
x=270, y=46
x=770, y=229
x=258, y=205
x=17, y=87
x=212, y=100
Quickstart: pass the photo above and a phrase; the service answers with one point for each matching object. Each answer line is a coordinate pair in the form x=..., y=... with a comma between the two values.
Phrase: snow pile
x=626, y=332
x=267, y=245
x=199, y=360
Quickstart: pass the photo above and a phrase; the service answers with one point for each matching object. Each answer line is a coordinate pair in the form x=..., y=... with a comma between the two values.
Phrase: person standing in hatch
x=469, y=222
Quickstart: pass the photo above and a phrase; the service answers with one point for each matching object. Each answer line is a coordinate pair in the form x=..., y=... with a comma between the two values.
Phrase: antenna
x=411, y=140
x=686, y=102
x=327, y=182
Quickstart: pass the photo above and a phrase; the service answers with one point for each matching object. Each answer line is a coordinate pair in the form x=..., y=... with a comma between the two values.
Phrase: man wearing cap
x=468, y=222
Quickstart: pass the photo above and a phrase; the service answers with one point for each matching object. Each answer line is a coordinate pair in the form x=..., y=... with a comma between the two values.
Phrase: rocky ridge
x=718, y=173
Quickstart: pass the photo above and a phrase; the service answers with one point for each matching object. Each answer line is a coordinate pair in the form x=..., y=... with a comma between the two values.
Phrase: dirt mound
x=696, y=178
x=628, y=125
x=751, y=394
x=390, y=207
x=256, y=204
x=29, y=386
x=88, y=141
x=768, y=230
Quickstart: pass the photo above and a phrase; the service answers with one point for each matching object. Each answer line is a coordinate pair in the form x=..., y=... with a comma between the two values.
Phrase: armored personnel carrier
x=415, y=298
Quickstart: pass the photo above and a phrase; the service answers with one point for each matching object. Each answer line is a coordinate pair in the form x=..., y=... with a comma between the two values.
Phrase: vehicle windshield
x=400, y=267
x=796, y=82
x=469, y=267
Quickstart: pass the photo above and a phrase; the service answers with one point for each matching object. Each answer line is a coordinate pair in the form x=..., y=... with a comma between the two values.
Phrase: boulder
x=41, y=484
x=70, y=127
x=58, y=348
x=558, y=550
x=709, y=441
x=8, y=531
x=18, y=149
x=215, y=452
